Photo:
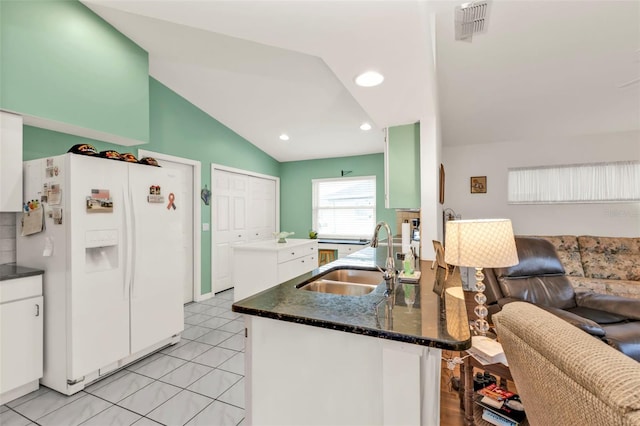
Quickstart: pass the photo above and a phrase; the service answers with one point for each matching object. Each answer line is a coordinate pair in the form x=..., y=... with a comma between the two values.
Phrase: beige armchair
x=563, y=375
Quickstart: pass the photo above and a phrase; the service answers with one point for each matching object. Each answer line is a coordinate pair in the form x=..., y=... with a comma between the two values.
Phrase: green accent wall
x=62, y=62
x=177, y=128
x=295, y=188
x=404, y=166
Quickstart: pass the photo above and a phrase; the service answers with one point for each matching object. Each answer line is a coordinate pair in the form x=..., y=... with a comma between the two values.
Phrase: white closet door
x=228, y=210
x=244, y=208
x=261, y=219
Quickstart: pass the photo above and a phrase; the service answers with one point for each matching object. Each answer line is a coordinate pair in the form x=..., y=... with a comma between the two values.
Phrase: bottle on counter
x=408, y=263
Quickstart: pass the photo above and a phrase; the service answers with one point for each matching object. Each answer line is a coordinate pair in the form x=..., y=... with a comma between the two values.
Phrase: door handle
x=37, y=310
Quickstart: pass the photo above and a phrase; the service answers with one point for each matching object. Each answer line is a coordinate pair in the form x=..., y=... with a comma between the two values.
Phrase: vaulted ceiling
x=264, y=68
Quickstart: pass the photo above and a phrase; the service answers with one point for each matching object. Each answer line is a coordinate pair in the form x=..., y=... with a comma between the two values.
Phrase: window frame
x=314, y=206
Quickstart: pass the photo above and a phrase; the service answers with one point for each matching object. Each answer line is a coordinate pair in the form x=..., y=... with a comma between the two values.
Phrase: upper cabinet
x=402, y=167
x=10, y=162
x=65, y=69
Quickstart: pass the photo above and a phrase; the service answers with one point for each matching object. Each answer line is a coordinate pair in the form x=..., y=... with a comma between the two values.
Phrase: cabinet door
x=295, y=267
x=402, y=166
x=20, y=343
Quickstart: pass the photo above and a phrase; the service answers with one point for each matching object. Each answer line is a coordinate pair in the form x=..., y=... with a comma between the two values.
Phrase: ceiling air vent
x=470, y=19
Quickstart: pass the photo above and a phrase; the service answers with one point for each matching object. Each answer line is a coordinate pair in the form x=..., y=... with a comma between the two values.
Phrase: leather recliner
x=540, y=279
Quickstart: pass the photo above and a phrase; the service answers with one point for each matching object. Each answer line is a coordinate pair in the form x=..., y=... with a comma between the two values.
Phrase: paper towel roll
x=406, y=237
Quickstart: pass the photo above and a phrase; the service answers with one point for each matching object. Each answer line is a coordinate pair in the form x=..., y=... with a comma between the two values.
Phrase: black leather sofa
x=540, y=279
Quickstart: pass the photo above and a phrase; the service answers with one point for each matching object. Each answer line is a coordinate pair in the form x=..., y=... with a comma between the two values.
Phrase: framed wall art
x=478, y=184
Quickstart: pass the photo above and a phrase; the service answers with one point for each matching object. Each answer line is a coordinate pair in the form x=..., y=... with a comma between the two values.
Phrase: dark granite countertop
x=434, y=320
x=10, y=271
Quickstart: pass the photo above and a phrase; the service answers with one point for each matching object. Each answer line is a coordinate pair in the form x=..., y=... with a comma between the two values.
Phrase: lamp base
x=481, y=324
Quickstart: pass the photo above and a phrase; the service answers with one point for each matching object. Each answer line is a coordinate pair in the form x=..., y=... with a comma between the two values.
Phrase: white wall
x=430, y=150
x=493, y=160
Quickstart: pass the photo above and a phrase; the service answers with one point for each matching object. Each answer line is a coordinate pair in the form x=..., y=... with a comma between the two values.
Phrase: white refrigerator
x=110, y=246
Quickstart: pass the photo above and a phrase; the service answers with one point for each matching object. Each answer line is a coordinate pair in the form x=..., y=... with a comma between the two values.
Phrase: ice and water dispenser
x=101, y=250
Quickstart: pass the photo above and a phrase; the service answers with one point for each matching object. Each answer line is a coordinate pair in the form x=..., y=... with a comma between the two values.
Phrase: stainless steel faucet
x=389, y=274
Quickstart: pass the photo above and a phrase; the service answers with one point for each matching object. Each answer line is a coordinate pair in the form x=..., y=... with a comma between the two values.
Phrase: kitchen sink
x=345, y=282
x=337, y=287
x=358, y=276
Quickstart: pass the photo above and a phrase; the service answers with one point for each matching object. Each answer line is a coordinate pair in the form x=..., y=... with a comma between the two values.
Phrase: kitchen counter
x=345, y=360
x=10, y=271
x=433, y=320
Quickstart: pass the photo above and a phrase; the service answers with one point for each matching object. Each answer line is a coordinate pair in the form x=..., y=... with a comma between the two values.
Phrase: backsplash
x=402, y=215
x=7, y=238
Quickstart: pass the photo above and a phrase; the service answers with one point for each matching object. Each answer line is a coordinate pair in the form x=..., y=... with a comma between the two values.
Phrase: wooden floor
x=450, y=412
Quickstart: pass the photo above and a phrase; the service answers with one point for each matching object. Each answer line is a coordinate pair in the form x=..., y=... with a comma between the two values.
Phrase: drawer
x=296, y=252
x=295, y=267
x=346, y=249
x=20, y=288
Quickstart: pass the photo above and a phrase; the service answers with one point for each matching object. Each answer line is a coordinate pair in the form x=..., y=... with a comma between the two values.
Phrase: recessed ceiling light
x=369, y=79
x=365, y=126
x=284, y=137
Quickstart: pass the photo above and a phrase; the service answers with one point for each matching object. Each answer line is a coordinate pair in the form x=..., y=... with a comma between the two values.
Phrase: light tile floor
x=198, y=381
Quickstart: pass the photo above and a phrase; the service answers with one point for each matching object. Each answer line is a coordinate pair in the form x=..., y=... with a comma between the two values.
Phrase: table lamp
x=480, y=243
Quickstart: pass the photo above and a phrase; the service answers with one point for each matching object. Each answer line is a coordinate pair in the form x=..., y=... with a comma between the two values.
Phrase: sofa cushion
x=610, y=257
x=569, y=253
x=536, y=257
x=554, y=291
x=597, y=316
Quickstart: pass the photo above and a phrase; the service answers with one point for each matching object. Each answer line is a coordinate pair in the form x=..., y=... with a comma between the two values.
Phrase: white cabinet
x=336, y=378
x=343, y=249
x=10, y=162
x=21, y=344
x=347, y=249
x=260, y=265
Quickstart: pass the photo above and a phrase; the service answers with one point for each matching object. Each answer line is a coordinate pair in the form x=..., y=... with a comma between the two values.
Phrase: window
x=344, y=207
x=577, y=183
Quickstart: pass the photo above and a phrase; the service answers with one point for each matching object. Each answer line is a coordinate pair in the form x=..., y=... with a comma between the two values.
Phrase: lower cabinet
x=342, y=249
x=260, y=265
x=21, y=337
x=331, y=377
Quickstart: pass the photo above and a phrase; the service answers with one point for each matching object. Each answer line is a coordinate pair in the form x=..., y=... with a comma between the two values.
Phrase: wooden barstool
x=326, y=256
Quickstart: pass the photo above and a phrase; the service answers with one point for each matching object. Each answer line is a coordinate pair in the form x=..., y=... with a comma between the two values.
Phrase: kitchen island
x=328, y=359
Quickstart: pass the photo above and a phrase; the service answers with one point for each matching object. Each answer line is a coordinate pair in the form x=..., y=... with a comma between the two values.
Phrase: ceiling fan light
x=369, y=79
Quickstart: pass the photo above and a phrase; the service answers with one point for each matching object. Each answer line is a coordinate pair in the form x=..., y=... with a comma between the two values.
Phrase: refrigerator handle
x=128, y=248
x=134, y=248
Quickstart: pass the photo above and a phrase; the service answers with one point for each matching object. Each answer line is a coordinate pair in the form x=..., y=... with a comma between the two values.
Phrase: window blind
x=577, y=183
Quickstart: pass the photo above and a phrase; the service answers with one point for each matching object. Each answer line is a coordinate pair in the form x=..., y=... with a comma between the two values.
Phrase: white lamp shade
x=481, y=243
